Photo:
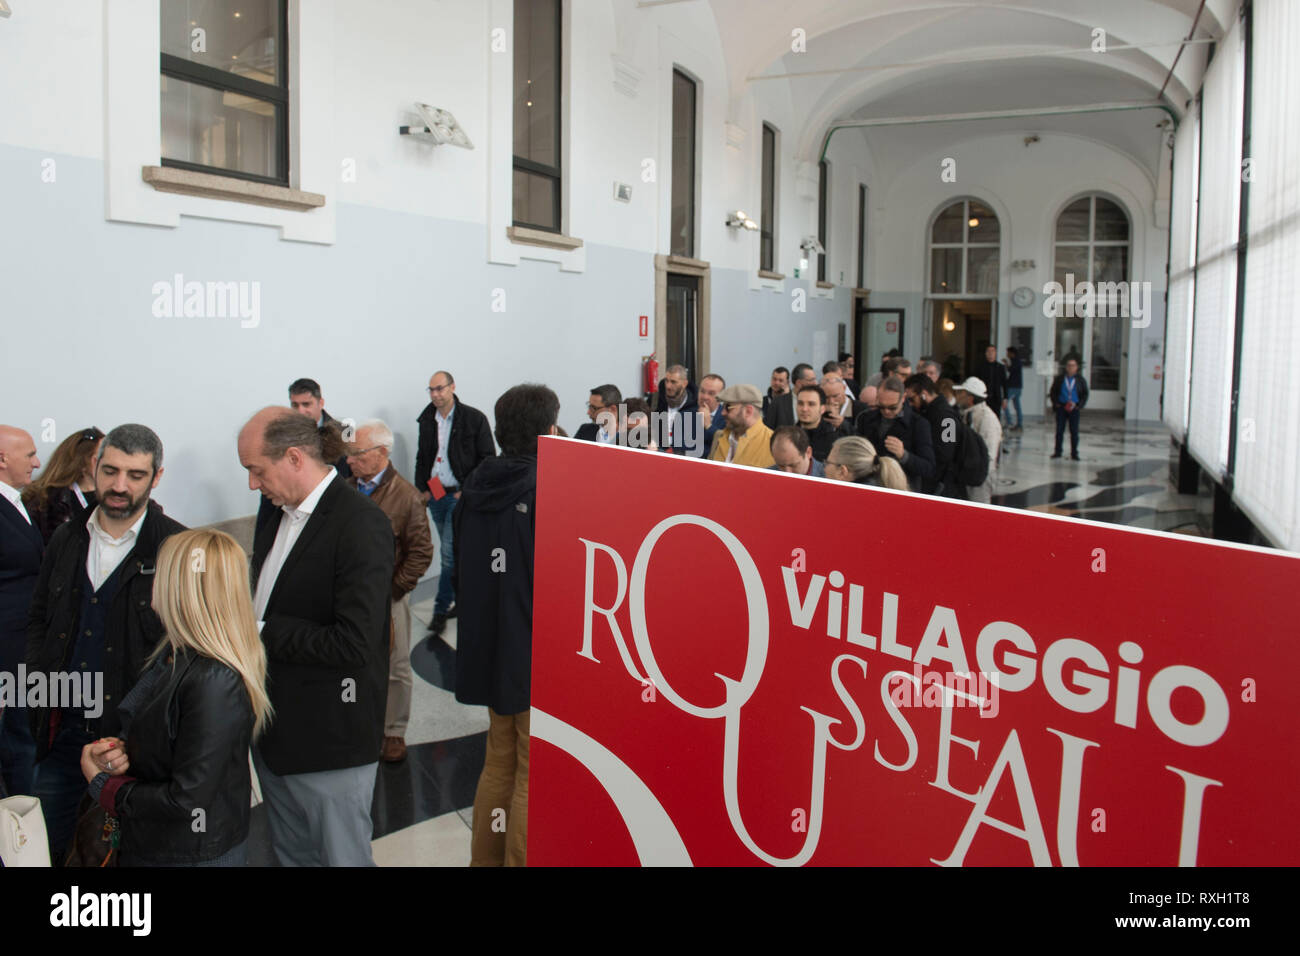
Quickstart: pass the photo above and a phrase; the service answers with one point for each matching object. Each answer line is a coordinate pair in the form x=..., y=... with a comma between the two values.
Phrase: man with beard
x=676, y=426
x=92, y=614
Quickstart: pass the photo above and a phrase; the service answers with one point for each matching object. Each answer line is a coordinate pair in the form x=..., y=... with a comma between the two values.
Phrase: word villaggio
x=1016, y=671
x=208, y=300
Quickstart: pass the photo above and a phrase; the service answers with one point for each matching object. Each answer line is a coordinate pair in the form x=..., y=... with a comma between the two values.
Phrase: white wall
x=397, y=275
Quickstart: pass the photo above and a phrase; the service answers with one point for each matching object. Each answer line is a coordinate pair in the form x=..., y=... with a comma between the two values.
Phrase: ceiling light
x=973, y=223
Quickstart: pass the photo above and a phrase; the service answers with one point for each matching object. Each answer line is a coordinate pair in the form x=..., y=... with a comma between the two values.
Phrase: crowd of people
x=905, y=428
x=299, y=657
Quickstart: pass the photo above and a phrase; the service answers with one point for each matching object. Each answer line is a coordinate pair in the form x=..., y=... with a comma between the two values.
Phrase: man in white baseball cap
x=972, y=396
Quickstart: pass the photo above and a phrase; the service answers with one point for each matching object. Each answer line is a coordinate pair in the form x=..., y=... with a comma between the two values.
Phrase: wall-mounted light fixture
x=810, y=246
x=738, y=220
x=4, y=9
x=436, y=126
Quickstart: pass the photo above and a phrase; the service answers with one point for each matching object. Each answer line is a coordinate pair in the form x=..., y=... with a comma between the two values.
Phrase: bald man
x=21, y=548
x=322, y=579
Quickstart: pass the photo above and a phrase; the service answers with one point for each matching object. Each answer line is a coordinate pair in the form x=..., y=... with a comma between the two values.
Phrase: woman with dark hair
x=65, y=490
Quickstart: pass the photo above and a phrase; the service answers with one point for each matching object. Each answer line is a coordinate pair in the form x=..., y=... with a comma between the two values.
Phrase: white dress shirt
x=442, y=463
x=106, y=552
x=15, y=498
x=291, y=525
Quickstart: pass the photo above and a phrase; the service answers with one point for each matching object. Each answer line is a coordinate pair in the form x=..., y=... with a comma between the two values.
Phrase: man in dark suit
x=321, y=588
x=1068, y=394
x=603, y=401
x=454, y=438
x=782, y=408
x=21, y=547
x=994, y=376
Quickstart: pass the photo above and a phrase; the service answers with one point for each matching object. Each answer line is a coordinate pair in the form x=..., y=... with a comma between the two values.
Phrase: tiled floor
x=422, y=805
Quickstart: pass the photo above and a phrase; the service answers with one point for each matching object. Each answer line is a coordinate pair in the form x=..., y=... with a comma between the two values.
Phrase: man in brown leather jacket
x=373, y=475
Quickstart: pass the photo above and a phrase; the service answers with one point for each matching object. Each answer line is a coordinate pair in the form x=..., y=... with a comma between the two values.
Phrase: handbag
x=22, y=833
x=95, y=840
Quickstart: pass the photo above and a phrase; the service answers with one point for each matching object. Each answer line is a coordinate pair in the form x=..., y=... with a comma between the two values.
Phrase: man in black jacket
x=675, y=424
x=945, y=434
x=1068, y=395
x=494, y=542
x=21, y=547
x=604, y=401
x=322, y=576
x=895, y=430
x=994, y=376
x=92, y=616
x=454, y=438
x=781, y=409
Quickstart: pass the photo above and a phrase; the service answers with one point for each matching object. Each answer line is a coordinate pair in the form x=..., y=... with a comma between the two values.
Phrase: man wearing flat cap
x=745, y=440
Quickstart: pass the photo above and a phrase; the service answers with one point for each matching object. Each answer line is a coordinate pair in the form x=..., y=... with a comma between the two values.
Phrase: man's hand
x=425, y=496
x=835, y=420
x=894, y=445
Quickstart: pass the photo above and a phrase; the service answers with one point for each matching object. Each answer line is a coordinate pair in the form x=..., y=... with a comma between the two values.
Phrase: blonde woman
x=854, y=459
x=179, y=782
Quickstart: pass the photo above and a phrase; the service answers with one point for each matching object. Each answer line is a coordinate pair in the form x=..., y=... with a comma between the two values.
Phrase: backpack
x=972, y=456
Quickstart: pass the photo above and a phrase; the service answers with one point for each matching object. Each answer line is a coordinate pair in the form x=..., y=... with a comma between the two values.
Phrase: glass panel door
x=683, y=315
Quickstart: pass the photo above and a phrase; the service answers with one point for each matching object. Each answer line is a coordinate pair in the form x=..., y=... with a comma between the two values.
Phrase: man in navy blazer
x=21, y=549
x=322, y=575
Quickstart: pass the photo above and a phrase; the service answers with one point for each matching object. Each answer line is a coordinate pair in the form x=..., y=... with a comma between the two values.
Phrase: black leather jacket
x=185, y=796
x=469, y=443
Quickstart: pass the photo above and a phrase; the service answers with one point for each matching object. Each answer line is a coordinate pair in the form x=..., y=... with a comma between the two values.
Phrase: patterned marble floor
x=421, y=809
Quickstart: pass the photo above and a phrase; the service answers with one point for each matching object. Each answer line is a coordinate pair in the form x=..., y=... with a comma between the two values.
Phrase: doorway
x=681, y=333
x=1097, y=344
x=959, y=331
x=876, y=332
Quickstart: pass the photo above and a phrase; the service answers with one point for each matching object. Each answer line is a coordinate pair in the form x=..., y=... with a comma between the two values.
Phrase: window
x=862, y=236
x=536, y=186
x=683, y=185
x=1182, y=276
x=225, y=92
x=823, y=189
x=767, y=211
x=1092, y=245
x=964, y=245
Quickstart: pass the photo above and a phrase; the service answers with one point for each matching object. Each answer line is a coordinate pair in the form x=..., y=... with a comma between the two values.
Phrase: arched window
x=964, y=243
x=1093, y=241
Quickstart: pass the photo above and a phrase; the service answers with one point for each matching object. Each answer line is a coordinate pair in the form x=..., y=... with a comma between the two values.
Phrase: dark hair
x=796, y=435
x=634, y=406
x=1013, y=351
x=609, y=394
x=798, y=371
x=814, y=388
x=845, y=356
x=781, y=368
x=920, y=382
x=322, y=443
x=891, y=383
x=64, y=467
x=890, y=365
x=140, y=439
x=305, y=386
x=831, y=367
x=523, y=414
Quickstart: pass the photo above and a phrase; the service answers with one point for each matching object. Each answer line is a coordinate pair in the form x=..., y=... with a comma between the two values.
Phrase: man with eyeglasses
x=369, y=454
x=454, y=438
x=602, y=409
x=894, y=429
x=745, y=440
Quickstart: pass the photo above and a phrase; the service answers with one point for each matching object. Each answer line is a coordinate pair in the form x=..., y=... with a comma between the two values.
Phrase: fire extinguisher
x=651, y=365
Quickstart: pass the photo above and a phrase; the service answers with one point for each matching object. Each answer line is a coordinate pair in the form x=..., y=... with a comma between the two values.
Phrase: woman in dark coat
x=179, y=783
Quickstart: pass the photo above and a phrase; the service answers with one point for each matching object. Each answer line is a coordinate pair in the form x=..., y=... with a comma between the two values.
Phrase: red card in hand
x=436, y=488
x=1069, y=407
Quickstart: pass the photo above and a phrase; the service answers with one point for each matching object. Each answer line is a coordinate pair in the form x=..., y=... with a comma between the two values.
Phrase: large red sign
x=738, y=666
